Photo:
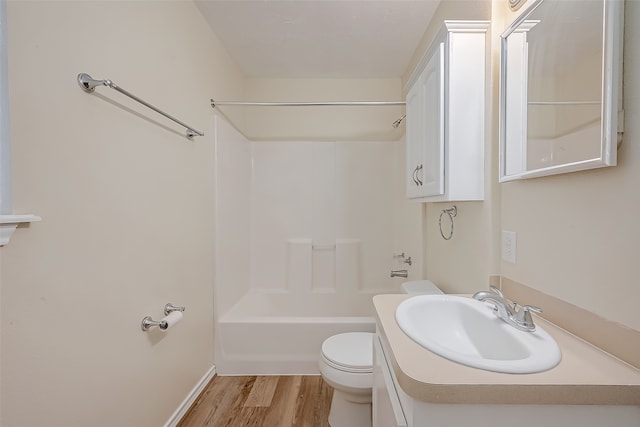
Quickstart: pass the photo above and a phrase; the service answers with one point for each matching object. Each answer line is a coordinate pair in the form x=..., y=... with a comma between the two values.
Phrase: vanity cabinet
x=387, y=409
x=413, y=387
x=392, y=407
x=445, y=116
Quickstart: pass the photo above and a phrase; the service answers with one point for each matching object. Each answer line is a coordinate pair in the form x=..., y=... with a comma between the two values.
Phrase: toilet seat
x=349, y=352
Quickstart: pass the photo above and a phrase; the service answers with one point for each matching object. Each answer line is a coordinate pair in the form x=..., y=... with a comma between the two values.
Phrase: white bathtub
x=281, y=333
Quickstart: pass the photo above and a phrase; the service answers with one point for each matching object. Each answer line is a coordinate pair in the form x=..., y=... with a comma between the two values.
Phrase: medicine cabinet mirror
x=561, y=88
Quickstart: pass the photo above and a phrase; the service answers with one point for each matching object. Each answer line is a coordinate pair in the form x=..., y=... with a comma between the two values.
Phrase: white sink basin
x=467, y=331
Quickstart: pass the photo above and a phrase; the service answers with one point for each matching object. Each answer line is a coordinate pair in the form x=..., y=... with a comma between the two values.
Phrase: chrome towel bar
x=88, y=84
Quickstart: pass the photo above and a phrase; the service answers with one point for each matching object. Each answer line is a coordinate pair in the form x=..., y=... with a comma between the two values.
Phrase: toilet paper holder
x=148, y=321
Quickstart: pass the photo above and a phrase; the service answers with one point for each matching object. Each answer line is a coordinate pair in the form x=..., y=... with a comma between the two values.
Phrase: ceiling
x=320, y=38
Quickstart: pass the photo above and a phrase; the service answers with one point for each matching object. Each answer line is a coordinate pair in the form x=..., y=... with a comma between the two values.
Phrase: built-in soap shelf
x=9, y=224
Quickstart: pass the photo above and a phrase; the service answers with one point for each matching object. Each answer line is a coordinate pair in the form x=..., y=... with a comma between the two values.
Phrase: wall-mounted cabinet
x=445, y=116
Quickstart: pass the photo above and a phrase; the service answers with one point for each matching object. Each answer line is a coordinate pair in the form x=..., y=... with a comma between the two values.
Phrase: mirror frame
x=612, y=114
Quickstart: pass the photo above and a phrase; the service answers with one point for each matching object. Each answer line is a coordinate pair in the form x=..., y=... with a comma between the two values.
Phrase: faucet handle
x=531, y=308
x=403, y=258
x=523, y=316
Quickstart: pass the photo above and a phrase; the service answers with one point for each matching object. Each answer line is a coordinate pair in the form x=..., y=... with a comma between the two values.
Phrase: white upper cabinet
x=425, y=130
x=445, y=116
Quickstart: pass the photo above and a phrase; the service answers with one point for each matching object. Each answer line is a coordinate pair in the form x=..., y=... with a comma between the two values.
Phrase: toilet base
x=350, y=410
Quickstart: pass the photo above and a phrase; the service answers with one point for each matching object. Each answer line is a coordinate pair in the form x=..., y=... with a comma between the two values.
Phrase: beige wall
x=127, y=210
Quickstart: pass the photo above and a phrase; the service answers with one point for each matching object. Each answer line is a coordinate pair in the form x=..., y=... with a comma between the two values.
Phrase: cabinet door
x=432, y=177
x=414, y=139
x=387, y=409
x=425, y=130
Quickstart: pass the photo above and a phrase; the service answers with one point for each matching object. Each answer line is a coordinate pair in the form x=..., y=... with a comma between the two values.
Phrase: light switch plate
x=509, y=246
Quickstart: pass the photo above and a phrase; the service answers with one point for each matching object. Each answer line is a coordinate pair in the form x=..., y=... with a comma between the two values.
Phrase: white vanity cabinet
x=387, y=409
x=414, y=387
x=445, y=116
x=393, y=407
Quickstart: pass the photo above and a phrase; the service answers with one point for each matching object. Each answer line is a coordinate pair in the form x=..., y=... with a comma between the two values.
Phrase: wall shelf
x=9, y=224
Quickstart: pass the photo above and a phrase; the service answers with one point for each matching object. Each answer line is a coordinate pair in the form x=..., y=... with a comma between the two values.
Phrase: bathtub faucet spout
x=399, y=273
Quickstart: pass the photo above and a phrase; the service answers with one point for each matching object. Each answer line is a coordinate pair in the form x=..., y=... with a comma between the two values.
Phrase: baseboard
x=191, y=398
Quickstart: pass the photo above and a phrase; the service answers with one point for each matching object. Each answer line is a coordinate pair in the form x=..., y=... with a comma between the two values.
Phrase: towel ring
x=452, y=212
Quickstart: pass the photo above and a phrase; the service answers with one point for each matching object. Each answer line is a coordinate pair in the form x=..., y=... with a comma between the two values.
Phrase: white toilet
x=346, y=364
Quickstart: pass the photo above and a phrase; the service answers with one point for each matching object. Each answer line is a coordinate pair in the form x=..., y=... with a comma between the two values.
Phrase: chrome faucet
x=506, y=310
x=399, y=273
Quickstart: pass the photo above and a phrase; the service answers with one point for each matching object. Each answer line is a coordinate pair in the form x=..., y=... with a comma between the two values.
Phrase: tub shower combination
x=280, y=331
x=271, y=333
x=304, y=239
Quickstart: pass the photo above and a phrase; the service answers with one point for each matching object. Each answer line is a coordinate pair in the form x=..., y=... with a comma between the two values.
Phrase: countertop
x=586, y=375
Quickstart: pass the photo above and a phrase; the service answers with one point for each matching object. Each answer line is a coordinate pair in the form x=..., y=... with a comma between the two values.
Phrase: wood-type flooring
x=263, y=401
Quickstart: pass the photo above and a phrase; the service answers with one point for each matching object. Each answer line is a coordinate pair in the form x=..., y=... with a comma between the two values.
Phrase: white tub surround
x=317, y=223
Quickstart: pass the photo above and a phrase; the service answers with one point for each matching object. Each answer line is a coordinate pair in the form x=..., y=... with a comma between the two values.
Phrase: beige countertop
x=586, y=375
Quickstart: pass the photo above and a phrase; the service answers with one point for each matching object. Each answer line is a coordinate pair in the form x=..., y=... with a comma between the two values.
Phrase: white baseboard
x=191, y=398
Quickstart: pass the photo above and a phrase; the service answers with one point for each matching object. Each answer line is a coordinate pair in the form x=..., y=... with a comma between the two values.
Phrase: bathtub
x=271, y=333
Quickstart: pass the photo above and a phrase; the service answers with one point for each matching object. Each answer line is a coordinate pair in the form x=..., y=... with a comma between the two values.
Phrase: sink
x=468, y=331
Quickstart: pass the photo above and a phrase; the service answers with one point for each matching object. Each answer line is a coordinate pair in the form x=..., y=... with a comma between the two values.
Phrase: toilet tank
x=420, y=287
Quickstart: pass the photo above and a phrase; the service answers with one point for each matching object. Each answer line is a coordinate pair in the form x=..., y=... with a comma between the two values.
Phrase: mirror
x=561, y=88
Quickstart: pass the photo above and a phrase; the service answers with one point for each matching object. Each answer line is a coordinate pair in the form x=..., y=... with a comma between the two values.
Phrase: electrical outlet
x=509, y=246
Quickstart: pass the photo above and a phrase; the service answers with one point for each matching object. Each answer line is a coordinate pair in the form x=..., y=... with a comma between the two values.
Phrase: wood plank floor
x=264, y=401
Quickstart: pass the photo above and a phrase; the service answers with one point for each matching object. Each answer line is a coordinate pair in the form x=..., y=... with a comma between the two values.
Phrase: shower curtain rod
x=395, y=124
x=214, y=104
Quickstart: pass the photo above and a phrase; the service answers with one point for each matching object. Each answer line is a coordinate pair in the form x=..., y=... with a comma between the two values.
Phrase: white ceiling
x=320, y=38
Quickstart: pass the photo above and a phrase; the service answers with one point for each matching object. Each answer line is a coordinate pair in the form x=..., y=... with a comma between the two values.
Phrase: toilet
x=346, y=364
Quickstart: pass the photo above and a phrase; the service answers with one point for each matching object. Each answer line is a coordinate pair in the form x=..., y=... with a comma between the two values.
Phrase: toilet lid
x=352, y=351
